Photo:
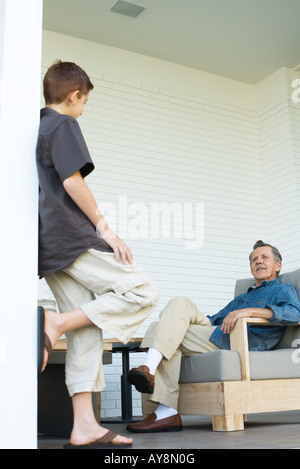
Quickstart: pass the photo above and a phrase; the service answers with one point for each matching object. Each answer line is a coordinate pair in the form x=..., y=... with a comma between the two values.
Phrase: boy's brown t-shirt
x=64, y=230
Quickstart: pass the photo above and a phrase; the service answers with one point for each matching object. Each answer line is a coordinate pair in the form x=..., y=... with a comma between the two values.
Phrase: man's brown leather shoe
x=141, y=379
x=150, y=425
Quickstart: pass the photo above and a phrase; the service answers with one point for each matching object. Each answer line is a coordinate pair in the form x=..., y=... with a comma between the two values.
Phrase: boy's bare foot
x=57, y=324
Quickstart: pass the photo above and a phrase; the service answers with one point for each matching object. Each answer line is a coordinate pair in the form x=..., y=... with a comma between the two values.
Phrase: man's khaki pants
x=117, y=298
x=181, y=330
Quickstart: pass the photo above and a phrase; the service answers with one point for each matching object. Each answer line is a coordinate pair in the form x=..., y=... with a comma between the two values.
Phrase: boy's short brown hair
x=61, y=79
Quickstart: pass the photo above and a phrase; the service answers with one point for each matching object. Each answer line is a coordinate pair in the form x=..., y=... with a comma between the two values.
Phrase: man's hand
x=231, y=318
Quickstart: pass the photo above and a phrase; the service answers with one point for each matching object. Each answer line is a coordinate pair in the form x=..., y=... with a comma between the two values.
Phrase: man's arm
x=80, y=193
x=233, y=316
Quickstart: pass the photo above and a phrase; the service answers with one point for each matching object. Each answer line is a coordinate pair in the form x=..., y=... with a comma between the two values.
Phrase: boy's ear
x=72, y=96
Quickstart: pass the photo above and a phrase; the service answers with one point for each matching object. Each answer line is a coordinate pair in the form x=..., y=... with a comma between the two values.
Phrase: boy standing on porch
x=89, y=269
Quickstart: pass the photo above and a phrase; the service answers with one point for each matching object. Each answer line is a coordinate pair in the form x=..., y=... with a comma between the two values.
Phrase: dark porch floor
x=262, y=431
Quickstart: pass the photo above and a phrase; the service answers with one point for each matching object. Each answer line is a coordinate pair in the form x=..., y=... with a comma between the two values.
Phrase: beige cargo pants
x=181, y=330
x=117, y=298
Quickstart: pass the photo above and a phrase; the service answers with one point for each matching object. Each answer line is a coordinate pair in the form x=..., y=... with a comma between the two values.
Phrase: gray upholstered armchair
x=229, y=384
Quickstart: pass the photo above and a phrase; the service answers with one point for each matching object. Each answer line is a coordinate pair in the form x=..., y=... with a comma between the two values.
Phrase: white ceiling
x=245, y=40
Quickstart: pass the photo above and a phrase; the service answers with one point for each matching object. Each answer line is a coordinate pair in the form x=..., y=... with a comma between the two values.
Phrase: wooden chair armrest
x=257, y=321
x=263, y=321
x=239, y=341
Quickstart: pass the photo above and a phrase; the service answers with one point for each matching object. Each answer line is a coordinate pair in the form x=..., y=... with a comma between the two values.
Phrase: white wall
x=162, y=132
x=279, y=120
x=20, y=32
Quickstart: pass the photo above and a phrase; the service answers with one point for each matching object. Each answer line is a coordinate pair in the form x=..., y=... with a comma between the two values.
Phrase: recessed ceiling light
x=128, y=9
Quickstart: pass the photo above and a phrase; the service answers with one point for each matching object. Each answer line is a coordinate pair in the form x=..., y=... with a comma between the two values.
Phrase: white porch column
x=20, y=63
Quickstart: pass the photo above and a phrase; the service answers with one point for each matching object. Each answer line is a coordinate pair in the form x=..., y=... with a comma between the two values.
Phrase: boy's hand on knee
x=121, y=250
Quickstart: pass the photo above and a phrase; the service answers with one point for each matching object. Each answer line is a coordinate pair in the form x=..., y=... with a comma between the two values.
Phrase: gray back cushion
x=291, y=336
x=293, y=277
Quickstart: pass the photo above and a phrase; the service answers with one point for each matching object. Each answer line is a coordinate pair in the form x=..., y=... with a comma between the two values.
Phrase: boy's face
x=77, y=104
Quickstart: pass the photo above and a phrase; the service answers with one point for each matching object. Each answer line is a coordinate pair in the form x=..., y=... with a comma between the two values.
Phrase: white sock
x=163, y=412
x=152, y=360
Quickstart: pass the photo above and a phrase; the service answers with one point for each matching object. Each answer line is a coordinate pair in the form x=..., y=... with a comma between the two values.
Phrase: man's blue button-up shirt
x=281, y=298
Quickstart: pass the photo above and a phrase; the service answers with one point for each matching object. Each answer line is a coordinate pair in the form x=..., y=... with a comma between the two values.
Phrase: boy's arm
x=80, y=193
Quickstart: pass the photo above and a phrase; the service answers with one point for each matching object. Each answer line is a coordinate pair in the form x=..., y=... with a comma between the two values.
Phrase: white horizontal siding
x=279, y=137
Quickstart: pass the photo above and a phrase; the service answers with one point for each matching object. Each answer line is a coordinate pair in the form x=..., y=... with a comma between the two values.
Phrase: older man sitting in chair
x=184, y=330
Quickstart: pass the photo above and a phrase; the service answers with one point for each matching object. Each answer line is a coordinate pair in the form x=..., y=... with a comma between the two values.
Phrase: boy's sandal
x=43, y=339
x=102, y=443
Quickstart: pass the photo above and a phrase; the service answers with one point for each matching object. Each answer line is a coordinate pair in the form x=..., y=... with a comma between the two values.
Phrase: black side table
x=126, y=390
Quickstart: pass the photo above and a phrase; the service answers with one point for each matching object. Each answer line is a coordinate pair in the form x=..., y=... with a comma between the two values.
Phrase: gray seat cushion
x=224, y=365
x=220, y=365
x=275, y=364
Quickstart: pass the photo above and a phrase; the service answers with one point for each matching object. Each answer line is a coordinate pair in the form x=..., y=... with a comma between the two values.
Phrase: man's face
x=263, y=265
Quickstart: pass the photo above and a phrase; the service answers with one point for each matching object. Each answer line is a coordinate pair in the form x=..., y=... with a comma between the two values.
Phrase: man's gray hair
x=260, y=244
